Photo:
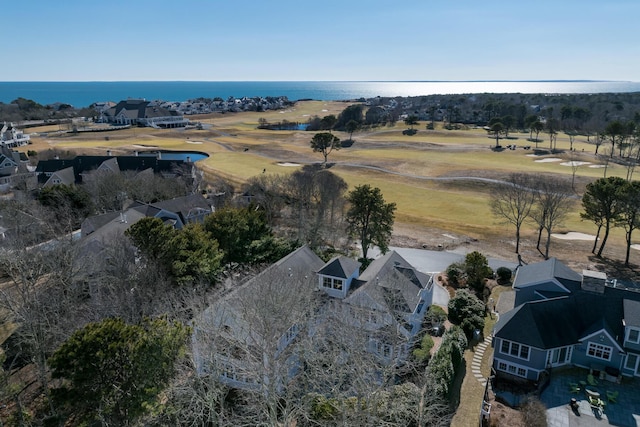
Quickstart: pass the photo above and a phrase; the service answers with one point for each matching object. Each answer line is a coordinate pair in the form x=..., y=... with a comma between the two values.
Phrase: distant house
x=143, y=113
x=565, y=318
x=178, y=212
x=8, y=164
x=387, y=302
x=84, y=164
x=62, y=177
x=12, y=137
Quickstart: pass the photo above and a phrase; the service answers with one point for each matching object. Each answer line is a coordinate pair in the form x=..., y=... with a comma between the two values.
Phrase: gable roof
x=138, y=109
x=564, y=321
x=532, y=274
x=302, y=260
x=390, y=284
x=340, y=266
x=65, y=175
x=83, y=164
x=184, y=205
x=110, y=164
x=4, y=158
x=631, y=312
x=116, y=222
x=230, y=309
x=98, y=230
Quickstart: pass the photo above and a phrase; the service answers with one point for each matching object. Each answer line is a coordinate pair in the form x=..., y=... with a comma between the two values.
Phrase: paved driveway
x=437, y=261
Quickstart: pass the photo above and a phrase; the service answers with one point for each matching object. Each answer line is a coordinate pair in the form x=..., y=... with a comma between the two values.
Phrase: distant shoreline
x=83, y=94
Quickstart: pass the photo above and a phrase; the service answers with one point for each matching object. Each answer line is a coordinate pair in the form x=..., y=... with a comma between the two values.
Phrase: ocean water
x=82, y=94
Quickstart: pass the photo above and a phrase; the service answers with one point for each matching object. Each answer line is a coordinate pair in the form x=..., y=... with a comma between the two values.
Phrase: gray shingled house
x=387, y=302
x=144, y=113
x=564, y=318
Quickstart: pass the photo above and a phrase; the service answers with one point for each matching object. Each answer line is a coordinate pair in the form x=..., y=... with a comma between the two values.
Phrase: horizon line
x=325, y=81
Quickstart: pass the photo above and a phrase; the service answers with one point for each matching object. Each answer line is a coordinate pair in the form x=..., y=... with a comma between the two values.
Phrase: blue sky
x=262, y=40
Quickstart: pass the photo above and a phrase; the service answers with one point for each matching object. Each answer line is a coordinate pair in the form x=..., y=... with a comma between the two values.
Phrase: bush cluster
x=503, y=275
x=445, y=363
x=467, y=311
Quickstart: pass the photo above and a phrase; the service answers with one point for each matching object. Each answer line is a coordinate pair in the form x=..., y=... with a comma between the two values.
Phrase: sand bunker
x=636, y=247
x=574, y=163
x=573, y=235
x=194, y=142
x=288, y=164
x=597, y=166
x=548, y=159
x=144, y=146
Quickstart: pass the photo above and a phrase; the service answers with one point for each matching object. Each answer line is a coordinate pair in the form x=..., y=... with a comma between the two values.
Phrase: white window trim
x=515, y=366
x=508, y=352
x=628, y=332
x=568, y=357
x=626, y=362
x=603, y=348
x=333, y=281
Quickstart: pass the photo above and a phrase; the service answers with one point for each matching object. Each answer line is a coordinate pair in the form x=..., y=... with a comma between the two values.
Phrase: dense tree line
x=22, y=109
x=582, y=112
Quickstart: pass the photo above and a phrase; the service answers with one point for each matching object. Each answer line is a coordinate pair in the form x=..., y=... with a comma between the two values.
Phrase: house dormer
x=336, y=276
x=631, y=324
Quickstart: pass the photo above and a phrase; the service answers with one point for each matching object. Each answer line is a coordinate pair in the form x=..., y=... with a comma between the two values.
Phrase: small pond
x=194, y=156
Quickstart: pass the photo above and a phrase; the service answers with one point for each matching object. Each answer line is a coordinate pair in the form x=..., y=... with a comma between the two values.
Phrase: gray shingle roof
x=391, y=283
x=65, y=175
x=340, y=266
x=550, y=269
x=563, y=321
x=631, y=312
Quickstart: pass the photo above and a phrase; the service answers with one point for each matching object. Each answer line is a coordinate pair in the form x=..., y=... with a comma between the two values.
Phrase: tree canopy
x=602, y=205
x=466, y=310
x=245, y=237
x=114, y=370
x=476, y=269
x=497, y=128
x=325, y=143
x=411, y=121
x=370, y=218
x=189, y=254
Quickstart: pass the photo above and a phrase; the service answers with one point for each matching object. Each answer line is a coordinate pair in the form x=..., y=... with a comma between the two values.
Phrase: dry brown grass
x=427, y=207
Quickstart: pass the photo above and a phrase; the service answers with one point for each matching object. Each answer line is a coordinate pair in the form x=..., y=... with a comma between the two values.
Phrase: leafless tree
x=245, y=338
x=265, y=191
x=318, y=197
x=108, y=189
x=552, y=203
x=513, y=200
x=574, y=163
x=41, y=298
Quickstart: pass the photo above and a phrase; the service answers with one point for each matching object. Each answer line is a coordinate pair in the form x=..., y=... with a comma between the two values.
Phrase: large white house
x=143, y=112
x=12, y=137
x=256, y=327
